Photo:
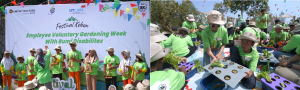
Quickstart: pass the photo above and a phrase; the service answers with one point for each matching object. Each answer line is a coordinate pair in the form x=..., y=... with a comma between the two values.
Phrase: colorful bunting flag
x=22, y=4
x=148, y=22
x=138, y=2
x=52, y=1
x=143, y=14
x=118, y=7
x=134, y=11
x=100, y=7
x=2, y=9
x=284, y=1
x=99, y=1
x=121, y=12
x=275, y=5
x=129, y=17
x=132, y=5
x=143, y=25
x=116, y=13
x=116, y=3
x=88, y=2
x=14, y=2
x=127, y=10
x=294, y=1
x=138, y=17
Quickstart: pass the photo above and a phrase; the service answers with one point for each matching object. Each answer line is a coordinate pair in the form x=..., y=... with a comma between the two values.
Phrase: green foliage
x=264, y=74
x=217, y=64
x=196, y=43
x=271, y=43
x=241, y=5
x=172, y=59
x=198, y=66
x=221, y=8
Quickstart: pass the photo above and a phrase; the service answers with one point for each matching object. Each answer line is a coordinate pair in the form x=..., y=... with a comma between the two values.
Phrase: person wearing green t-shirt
x=74, y=57
x=125, y=67
x=139, y=68
x=273, y=29
x=231, y=35
x=263, y=21
x=41, y=65
x=20, y=71
x=6, y=68
x=199, y=33
x=167, y=79
x=237, y=33
x=286, y=30
x=247, y=56
x=111, y=63
x=191, y=26
x=56, y=64
x=91, y=64
x=29, y=64
x=214, y=37
x=292, y=27
x=263, y=38
x=278, y=35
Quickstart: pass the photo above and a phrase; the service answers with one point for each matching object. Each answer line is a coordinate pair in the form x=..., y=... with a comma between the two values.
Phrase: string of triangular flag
x=12, y=2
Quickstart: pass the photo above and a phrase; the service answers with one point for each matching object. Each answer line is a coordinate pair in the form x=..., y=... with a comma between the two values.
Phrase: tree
x=254, y=12
x=220, y=7
x=242, y=6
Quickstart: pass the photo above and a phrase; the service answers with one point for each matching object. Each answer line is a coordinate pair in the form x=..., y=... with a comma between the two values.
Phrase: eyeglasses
x=215, y=25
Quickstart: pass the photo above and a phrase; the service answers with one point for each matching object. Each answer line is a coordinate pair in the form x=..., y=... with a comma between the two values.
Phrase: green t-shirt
x=128, y=73
x=21, y=68
x=261, y=24
x=94, y=68
x=29, y=60
x=273, y=29
x=181, y=45
x=278, y=37
x=111, y=61
x=293, y=43
x=77, y=55
x=251, y=29
x=189, y=26
x=170, y=79
x=284, y=25
x=43, y=75
x=140, y=66
x=298, y=50
x=57, y=69
x=162, y=43
x=249, y=59
x=214, y=39
x=263, y=35
x=199, y=34
x=231, y=37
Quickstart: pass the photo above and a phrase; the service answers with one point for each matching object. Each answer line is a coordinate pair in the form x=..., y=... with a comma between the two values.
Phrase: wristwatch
x=290, y=65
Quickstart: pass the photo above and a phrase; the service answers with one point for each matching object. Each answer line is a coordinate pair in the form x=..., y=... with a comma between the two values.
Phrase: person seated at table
x=246, y=55
x=290, y=48
x=252, y=28
x=263, y=38
x=237, y=33
x=290, y=67
x=278, y=35
x=276, y=23
x=230, y=33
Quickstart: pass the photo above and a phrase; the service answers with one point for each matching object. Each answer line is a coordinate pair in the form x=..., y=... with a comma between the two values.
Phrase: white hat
x=140, y=56
x=73, y=43
x=19, y=88
x=249, y=35
x=279, y=26
x=190, y=17
x=145, y=85
x=297, y=29
x=252, y=24
x=110, y=49
x=29, y=85
x=6, y=52
x=126, y=51
x=129, y=87
x=157, y=52
x=45, y=51
x=20, y=56
x=215, y=17
x=32, y=49
x=184, y=29
x=155, y=35
x=43, y=88
x=236, y=28
x=229, y=24
x=202, y=27
x=286, y=28
x=58, y=47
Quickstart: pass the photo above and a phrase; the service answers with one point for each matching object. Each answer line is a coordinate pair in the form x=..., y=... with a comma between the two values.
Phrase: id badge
x=219, y=39
x=247, y=58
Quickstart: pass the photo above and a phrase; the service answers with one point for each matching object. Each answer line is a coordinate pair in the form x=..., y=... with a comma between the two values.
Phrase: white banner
x=35, y=26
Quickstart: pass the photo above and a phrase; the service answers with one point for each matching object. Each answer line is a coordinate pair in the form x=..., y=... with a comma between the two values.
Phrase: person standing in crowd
x=247, y=22
x=237, y=33
x=41, y=65
x=239, y=21
x=29, y=64
x=278, y=35
x=199, y=33
x=180, y=42
x=276, y=23
x=111, y=63
x=191, y=26
x=20, y=71
x=214, y=37
x=246, y=55
x=6, y=68
x=91, y=60
x=125, y=67
x=74, y=56
x=283, y=24
x=263, y=21
x=139, y=68
x=175, y=80
x=231, y=36
x=57, y=68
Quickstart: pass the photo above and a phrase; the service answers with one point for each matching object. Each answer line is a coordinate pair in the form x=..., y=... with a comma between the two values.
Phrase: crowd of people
x=242, y=39
x=37, y=70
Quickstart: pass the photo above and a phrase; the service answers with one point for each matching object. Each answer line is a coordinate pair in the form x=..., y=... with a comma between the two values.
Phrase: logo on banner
x=112, y=87
x=76, y=24
x=76, y=11
x=58, y=84
x=28, y=11
x=142, y=7
x=52, y=10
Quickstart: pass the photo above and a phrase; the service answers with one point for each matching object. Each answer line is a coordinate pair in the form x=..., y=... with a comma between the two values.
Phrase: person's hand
x=31, y=71
x=53, y=64
x=199, y=41
x=110, y=68
x=131, y=78
x=31, y=64
x=72, y=58
x=182, y=68
x=192, y=30
x=283, y=62
x=219, y=56
x=262, y=57
x=261, y=42
x=213, y=60
x=88, y=62
x=183, y=59
x=127, y=66
x=4, y=73
x=248, y=74
x=46, y=47
x=226, y=58
x=104, y=74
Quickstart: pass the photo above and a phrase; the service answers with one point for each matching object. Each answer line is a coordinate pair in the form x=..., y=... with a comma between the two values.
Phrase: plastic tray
x=208, y=80
x=187, y=65
x=191, y=73
x=260, y=49
x=275, y=84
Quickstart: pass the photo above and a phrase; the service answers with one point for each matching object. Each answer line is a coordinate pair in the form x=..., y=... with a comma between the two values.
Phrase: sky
x=289, y=5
